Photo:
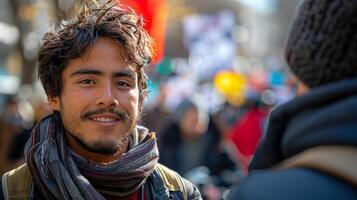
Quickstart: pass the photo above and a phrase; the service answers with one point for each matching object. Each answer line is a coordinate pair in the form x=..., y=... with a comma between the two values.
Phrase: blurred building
x=260, y=30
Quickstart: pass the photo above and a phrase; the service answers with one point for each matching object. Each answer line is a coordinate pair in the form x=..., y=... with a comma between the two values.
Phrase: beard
x=104, y=147
x=100, y=145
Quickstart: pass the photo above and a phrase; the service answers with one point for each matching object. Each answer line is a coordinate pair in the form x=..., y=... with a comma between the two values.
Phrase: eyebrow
x=86, y=71
x=124, y=73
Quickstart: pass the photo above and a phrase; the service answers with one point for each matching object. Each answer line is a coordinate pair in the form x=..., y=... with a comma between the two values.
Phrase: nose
x=106, y=97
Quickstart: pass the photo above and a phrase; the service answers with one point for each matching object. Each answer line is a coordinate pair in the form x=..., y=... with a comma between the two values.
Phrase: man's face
x=99, y=99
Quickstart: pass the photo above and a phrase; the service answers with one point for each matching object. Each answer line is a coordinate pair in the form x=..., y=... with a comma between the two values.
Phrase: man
x=90, y=147
x=190, y=131
x=310, y=150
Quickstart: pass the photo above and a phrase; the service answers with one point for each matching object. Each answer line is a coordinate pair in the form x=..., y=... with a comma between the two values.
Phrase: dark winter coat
x=327, y=115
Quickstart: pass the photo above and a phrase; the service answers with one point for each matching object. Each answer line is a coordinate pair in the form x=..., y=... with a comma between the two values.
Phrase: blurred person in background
x=16, y=118
x=192, y=145
x=157, y=114
x=310, y=149
x=10, y=125
x=41, y=109
x=90, y=147
x=248, y=130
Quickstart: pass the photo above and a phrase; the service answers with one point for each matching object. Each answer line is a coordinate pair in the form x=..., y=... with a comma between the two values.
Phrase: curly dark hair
x=72, y=38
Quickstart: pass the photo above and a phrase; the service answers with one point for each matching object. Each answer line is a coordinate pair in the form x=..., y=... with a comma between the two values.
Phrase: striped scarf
x=59, y=173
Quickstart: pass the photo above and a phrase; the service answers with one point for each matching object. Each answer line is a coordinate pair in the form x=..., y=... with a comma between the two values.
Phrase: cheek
x=74, y=95
x=74, y=102
x=68, y=109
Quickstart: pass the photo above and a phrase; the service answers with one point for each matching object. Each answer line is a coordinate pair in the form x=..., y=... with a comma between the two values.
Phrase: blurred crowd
x=207, y=132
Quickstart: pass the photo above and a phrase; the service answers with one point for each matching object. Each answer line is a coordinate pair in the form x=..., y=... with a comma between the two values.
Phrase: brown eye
x=87, y=81
x=122, y=84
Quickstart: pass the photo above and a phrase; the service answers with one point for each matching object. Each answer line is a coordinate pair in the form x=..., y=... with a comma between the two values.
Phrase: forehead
x=105, y=55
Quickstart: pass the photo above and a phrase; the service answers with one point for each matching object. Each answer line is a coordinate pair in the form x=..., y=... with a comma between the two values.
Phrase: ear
x=301, y=88
x=54, y=103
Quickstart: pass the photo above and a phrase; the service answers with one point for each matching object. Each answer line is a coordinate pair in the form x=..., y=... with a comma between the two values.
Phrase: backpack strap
x=16, y=183
x=337, y=161
x=172, y=180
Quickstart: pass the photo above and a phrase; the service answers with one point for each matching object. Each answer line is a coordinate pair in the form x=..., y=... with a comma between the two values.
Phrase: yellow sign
x=232, y=86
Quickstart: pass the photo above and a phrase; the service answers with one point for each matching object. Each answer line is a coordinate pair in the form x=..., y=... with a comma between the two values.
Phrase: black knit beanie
x=322, y=43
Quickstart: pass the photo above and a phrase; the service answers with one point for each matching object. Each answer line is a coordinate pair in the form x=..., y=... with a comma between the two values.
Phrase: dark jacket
x=327, y=115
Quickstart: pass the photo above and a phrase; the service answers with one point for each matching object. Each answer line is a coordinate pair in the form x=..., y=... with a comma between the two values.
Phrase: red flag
x=155, y=13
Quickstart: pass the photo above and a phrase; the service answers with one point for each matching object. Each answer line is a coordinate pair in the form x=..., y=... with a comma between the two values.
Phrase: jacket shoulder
x=171, y=179
x=297, y=183
x=174, y=182
x=16, y=183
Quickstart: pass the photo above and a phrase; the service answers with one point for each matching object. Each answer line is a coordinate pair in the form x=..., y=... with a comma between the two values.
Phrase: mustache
x=121, y=115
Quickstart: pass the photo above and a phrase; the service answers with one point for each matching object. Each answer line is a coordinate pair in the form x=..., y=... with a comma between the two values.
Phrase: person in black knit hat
x=310, y=148
x=322, y=43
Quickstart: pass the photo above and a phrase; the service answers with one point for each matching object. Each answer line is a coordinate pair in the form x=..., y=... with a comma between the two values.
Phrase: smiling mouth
x=103, y=119
x=109, y=116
